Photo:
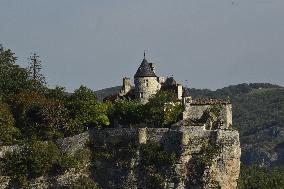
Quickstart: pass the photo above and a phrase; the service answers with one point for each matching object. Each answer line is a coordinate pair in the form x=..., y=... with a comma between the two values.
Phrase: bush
x=154, y=154
x=8, y=132
x=38, y=159
x=253, y=177
x=156, y=162
x=85, y=183
x=163, y=109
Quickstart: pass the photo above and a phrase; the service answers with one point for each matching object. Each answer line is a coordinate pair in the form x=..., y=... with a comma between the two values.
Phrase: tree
x=127, y=112
x=13, y=79
x=86, y=111
x=35, y=70
x=33, y=160
x=163, y=109
x=40, y=117
x=7, y=126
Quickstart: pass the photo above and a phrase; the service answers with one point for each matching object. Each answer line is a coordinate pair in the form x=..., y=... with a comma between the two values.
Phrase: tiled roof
x=204, y=101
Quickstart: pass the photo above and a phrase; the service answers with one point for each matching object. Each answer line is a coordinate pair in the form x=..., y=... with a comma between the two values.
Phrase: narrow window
x=141, y=95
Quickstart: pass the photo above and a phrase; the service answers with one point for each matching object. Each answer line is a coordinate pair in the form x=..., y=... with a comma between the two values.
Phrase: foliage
x=86, y=111
x=155, y=162
x=208, y=153
x=7, y=126
x=76, y=160
x=40, y=117
x=117, y=153
x=85, y=183
x=161, y=109
x=58, y=93
x=35, y=159
x=38, y=158
x=253, y=177
x=35, y=68
x=13, y=78
x=127, y=112
x=154, y=154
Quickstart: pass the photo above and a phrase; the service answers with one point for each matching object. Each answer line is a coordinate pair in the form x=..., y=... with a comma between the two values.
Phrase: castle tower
x=146, y=81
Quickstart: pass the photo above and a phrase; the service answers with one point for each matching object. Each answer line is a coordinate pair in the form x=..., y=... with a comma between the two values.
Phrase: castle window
x=147, y=83
x=141, y=95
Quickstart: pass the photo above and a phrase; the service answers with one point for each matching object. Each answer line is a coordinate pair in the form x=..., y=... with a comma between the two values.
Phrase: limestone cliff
x=180, y=158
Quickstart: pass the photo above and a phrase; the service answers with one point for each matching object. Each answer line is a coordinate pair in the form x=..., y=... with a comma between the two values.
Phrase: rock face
x=202, y=158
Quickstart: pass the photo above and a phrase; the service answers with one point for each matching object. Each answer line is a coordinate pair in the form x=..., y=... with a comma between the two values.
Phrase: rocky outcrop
x=179, y=158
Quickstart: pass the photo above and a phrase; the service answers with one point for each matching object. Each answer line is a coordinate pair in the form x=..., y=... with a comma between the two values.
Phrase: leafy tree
x=13, y=79
x=86, y=111
x=40, y=117
x=37, y=158
x=33, y=160
x=127, y=112
x=7, y=126
x=58, y=93
x=163, y=109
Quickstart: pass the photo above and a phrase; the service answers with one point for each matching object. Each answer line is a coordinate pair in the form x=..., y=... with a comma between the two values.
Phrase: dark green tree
x=13, y=79
x=163, y=109
x=8, y=130
x=86, y=111
x=35, y=68
x=127, y=112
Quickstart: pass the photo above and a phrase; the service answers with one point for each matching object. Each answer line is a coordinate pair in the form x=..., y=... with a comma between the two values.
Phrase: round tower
x=146, y=81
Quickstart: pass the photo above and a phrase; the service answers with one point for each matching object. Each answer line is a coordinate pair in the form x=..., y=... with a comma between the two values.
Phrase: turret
x=146, y=81
x=126, y=86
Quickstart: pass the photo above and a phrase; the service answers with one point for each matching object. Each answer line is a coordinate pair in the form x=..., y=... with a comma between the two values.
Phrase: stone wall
x=126, y=86
x=195, y=112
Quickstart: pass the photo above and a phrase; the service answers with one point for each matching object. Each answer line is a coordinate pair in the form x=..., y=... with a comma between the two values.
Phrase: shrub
x=38, y=159
x=8, y=132
x=85, y=183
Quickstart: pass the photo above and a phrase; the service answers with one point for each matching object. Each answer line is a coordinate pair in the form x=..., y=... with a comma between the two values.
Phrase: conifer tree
x=35, y=68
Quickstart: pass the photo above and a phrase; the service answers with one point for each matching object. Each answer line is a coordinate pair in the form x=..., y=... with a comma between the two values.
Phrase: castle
x=203, y=151
x=208, y=113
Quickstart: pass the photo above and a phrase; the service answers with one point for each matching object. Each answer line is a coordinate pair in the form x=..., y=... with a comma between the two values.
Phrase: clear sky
x=202, y=43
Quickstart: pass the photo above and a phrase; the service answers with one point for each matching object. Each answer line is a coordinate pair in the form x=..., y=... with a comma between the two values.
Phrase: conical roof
x=145, y=70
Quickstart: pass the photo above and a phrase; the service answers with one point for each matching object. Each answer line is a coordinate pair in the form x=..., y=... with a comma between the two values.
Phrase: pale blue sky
x=210, y=43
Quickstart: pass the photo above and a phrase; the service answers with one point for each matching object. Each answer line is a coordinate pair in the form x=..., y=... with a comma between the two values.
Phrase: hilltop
x=258, y=114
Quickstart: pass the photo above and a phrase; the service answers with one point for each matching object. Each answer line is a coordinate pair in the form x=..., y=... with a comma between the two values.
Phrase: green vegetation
x=127, y=112
x=163, y=109
x=208, y=153
x=156, y=164
x=9, y=132
x=253, y=177
x=112, y=160
x=85, y=183
x=37, y=159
